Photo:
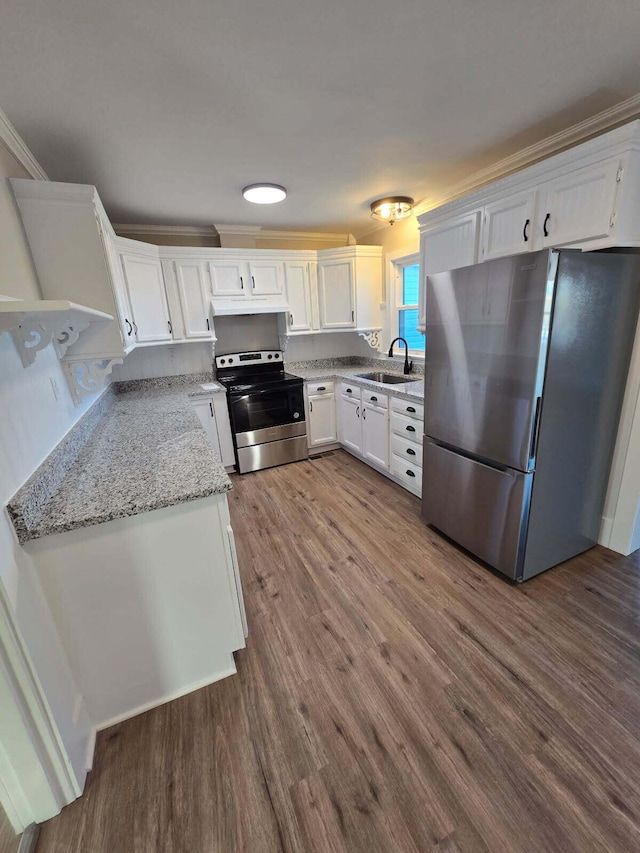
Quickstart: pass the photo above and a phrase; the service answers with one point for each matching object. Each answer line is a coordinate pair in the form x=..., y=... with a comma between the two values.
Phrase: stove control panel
x=248, y=359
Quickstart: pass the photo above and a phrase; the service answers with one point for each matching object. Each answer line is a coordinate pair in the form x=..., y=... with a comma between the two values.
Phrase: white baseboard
x=91, y=748
x=606, y=529
x=205, y=682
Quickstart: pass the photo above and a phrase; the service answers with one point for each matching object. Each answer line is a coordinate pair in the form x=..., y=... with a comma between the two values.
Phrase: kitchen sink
x=386, y=378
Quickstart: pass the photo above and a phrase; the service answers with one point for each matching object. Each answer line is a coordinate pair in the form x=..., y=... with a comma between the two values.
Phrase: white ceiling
x=171, y=106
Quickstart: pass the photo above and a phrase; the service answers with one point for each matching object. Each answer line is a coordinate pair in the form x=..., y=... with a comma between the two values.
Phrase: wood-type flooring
x=394, y=696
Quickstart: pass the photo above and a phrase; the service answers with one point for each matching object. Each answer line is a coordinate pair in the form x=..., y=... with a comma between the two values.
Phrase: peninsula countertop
x=147, y=451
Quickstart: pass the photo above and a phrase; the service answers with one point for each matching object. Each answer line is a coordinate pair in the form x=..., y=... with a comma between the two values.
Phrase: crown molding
x=166, y=230
x=554, y=144
x=12, y=140
x=258, y=232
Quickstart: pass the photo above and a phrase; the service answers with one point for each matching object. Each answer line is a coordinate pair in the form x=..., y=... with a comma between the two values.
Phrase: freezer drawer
x=481, y=508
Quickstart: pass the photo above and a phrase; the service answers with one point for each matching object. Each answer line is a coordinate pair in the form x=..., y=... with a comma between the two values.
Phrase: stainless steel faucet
x=408, y=365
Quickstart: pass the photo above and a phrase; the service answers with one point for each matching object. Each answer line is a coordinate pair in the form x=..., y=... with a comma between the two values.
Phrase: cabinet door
x=451, y=245
x=579, y=206
x=204, y=411
x=350, y=424
x=145, y=284
x=193, y=291
x=375, y=435
x=508, y=226
x=298, y=296
x=266, y=278
x=336, y=283
x=229, y=278
x=321, y=428
x=125, y=314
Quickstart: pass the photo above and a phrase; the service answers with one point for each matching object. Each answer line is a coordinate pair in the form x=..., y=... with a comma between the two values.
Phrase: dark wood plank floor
x=9, y=841
x=394, y=696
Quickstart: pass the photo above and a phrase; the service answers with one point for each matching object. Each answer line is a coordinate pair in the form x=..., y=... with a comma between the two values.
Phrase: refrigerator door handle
x=533, y=449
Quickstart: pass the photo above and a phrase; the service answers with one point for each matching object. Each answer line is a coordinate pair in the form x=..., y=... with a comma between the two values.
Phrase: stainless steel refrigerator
x=526, y=364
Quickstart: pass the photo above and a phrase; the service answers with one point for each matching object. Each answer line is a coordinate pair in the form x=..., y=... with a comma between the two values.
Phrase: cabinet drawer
x=351, y=391
x=406, y=449
x=321, y=387
x=407, y=407
x=409, y=428
x=408, y=474
x=375, y=398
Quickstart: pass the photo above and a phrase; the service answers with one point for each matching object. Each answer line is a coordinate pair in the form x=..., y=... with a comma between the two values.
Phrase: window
x=407, y=286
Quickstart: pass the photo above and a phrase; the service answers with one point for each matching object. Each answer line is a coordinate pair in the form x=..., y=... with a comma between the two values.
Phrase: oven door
x=268, y=414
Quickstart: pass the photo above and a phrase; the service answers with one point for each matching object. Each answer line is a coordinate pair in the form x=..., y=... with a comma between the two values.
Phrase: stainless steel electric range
x=266, y=407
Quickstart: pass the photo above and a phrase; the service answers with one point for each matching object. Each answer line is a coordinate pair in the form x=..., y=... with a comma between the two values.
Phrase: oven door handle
x=239, y=395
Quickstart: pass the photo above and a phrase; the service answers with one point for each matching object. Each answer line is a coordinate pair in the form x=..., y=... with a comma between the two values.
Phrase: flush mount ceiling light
x=392, y=209
x=264, y=193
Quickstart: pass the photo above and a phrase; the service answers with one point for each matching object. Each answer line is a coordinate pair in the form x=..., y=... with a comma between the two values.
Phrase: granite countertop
x=413, y=390
x=147, y=451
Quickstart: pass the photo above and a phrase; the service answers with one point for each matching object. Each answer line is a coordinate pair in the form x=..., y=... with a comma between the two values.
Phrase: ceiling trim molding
x=260, y=233
x=554, y=144
x=166, y=230
x=12, y=140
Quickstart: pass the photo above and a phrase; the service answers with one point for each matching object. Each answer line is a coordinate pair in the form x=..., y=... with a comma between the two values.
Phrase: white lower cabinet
x=350, y=422
x=214, y=417
x=381, y=429
x=321, y=414
x=375, y=433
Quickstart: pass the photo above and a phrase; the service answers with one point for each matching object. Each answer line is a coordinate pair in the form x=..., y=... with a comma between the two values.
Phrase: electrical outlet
x=56, y=389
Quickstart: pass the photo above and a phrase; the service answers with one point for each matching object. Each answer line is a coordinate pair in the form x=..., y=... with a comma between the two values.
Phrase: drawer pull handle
x=349, y=391
x=411, y=429
x=411, y=452
x=410, y=474
x=374, y=399
x=411, y=409
x=544, y=227
x=321, y=388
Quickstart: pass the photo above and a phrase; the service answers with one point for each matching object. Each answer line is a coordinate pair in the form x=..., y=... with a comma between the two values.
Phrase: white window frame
x=395, y=263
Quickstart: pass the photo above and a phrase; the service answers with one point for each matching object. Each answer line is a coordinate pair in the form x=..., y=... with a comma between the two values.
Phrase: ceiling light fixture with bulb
x=392, y=209
x=264, y=193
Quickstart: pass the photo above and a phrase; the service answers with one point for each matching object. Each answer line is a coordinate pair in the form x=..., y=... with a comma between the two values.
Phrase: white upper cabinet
x=336, y=293
x=72, y=246
x=508, y=226
x=194, y=293
x=229, y=277
x=579, y=206
x=451, y=244
x=267, y=277
x=298, y=287
x=145, y=284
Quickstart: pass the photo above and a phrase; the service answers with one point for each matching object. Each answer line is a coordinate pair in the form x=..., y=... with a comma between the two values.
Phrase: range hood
x=250, y=305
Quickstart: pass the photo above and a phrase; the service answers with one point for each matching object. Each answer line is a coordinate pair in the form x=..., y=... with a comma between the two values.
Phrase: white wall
x=32, y=422
x=171, y=360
